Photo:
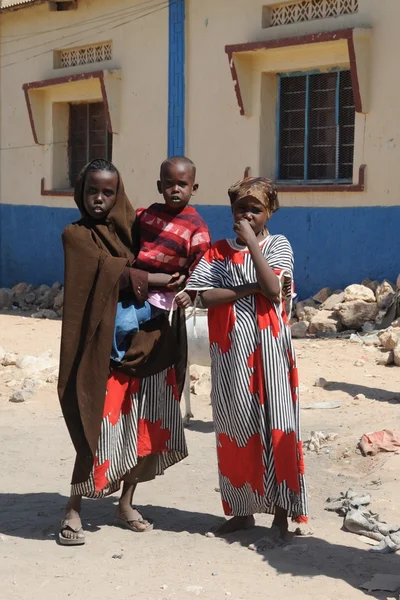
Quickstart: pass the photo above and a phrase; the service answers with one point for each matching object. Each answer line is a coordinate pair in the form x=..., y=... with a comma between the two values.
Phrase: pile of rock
x=358, y=308
x=44, y=302
x=24, y=375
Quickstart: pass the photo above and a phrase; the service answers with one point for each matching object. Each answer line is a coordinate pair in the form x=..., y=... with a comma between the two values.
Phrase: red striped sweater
x=171, y=242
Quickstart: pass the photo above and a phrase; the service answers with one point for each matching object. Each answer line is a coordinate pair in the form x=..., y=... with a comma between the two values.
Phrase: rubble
x=356, y=292
x=325, y=321
x=354, y=314
x=388, y=339
x=44, y=302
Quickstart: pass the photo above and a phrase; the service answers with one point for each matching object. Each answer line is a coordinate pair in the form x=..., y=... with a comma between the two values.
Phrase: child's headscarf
x=261, y=188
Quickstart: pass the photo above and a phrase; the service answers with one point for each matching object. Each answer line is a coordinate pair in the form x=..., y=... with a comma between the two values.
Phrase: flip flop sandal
x=129, y=525
x=64, y=541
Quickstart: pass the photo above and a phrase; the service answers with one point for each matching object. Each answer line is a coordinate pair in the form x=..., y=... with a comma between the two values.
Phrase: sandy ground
x=176, y=561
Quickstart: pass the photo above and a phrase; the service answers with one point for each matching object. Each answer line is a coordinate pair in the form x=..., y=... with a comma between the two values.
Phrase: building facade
x=299, y=91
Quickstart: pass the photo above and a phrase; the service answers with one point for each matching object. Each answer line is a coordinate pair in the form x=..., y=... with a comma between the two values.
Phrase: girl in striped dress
x=255, y=391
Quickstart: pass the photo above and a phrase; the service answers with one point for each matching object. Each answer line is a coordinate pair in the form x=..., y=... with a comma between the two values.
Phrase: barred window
x=316, y=117
x=89, y=137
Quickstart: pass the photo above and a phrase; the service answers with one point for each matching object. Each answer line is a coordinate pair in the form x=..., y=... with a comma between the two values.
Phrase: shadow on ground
x=36, y=517
x=370, y=392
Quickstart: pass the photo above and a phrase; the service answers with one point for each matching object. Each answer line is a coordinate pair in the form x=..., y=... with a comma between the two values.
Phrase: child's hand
x=243, y=230
x=177, y=282
x=183, y=300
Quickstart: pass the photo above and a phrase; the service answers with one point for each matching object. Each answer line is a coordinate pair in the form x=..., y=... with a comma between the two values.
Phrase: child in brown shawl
x=126, y=425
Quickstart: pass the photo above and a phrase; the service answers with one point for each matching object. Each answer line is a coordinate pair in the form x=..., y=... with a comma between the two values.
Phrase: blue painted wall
x=176, y=79
x=332, y=246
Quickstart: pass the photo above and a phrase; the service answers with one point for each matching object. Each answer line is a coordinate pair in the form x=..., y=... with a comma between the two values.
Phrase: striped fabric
x=141, y=417
x=255, y=394
x=171, y=242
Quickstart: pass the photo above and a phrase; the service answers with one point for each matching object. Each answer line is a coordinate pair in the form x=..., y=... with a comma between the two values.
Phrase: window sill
x=327, y=187
x=62, y=193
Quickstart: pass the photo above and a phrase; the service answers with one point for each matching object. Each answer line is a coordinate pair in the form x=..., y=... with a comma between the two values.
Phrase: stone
x=202, y=387
x=396, y=356
x=372, y=285
x=300, y=329
x=396, y=324
x=308, y=313
x=60, y=312
x=388, y=339
x=9, y=359
x=30, y=298
x=359, y=363
x=333, y=301
x=360, y=397
x=353, y=315
x=46, y=313
x=300, y=306
x=6, y=299
x=385, y=295
x=384, y=357
x=398, y=282
x=357, y=292
x=35, y=364
x=59, y=300
x=368, y=327
x=2, y=353
x=56, y=286
x=42, y=289
x=323, y=295
x=320, y=382
x=19, y=289
x=325, y=321
x=21, y=396
x=12, y=383
x=46, y=300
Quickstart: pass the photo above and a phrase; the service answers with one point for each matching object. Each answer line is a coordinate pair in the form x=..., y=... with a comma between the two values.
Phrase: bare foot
x=133, y=520
x=234, y=524
x=71, y=528
x=276, y=537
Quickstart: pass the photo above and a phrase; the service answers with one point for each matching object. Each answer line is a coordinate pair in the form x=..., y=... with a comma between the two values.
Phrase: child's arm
x=218, y=296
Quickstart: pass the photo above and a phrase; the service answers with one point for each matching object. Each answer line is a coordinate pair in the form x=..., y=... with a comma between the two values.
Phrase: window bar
x=337, y=121
x=87, y=133
x=278, y=130
x=306, y=127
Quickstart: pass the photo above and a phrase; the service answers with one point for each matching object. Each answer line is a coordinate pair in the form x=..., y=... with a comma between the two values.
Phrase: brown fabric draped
x=96, y=254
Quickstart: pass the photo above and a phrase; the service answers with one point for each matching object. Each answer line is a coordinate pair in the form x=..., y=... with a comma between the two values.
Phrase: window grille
x=85, y=55
x=89, y=137
x=310, y=10
x=316, y=116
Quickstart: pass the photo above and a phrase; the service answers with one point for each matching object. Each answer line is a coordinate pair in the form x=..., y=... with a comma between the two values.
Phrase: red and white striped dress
x=255, y=393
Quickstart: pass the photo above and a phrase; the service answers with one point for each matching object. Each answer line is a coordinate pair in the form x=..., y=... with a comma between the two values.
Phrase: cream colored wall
x=140, y=50
x=223, y=143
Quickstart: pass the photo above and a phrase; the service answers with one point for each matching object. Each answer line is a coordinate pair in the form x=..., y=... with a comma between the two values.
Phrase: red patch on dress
x=266, y=315
x=221, y=321
x=285, y=457
x=300, y=458
x=227, y=508
x=242, y=464
x=257, y=383
x=134, y=387
x=171, y=381
x=237, y=258
x=152, y=438
x=293, y=376
x=117, y=396
x=99, y=474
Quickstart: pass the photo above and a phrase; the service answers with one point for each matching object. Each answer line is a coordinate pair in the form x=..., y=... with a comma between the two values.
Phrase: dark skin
x=249, y=217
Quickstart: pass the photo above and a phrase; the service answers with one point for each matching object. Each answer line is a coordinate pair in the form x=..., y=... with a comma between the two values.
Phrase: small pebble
x=118, y=556
x=359, y=363
x=320, y=382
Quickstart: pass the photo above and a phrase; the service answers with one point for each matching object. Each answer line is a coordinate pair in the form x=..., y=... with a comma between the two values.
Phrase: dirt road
x=176, y=561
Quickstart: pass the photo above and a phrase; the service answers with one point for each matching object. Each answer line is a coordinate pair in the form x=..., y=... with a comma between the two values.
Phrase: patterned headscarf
x=261, y=188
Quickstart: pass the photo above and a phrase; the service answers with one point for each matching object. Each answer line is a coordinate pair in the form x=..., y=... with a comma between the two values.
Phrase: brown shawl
x=96, y=254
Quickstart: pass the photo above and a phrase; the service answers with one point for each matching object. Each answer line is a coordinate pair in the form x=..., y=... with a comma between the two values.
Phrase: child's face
x=177, y=184
x=100, y=193
x=251, y=210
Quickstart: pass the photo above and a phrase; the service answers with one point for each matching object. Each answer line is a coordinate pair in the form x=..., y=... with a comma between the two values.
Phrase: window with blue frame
x=316, y=114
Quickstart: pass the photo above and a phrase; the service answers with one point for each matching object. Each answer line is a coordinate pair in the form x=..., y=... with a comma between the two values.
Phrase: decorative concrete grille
x=85, y=55
x=309, y=10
